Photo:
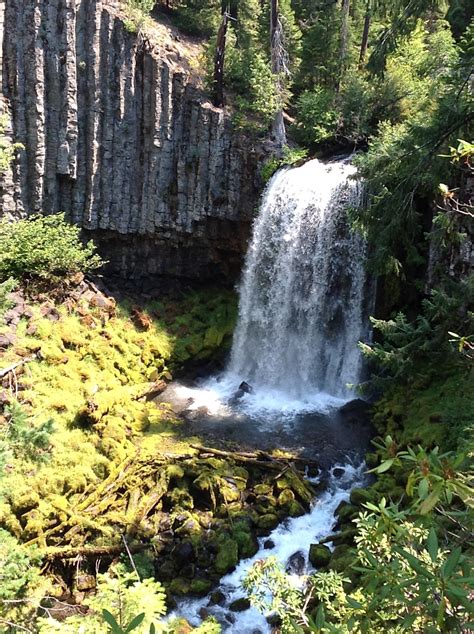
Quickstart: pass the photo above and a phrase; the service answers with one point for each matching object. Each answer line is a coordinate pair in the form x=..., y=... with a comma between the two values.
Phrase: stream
x=304, y=302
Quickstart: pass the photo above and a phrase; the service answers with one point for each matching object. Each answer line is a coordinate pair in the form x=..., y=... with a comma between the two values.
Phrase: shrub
x=317, y=118
x=6, y=287
x=137, y=11
x=44, y=247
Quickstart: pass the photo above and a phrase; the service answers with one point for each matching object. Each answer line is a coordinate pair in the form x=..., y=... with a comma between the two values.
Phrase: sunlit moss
x=90, y=375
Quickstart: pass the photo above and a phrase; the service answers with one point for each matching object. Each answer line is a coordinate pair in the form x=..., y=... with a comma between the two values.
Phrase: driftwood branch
x=14, y=366
x=261, y=459
x=53, y=553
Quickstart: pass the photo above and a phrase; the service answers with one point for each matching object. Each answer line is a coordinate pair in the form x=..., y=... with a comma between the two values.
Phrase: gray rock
x=121, y=139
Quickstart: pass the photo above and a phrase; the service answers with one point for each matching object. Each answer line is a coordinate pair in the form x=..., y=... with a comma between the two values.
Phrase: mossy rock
x=301, y=489
x=180, y=499
x=228, y=491
x=174, y=472
x=345, y=537
x=200, y=586
x=247, y=543
x=263, y=489
x=188, y=523
x=294, y=509
x=319, y=555
x=180, y=586
x=217, y=598
x=265, y=504
x=346, y=512
x=342, y=558
x=286, y=497
x=240, y=605
x=227, y=555
x=269, y=521
x=361, y=496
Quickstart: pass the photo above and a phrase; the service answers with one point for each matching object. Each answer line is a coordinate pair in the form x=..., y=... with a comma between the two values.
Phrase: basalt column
x=119, y=136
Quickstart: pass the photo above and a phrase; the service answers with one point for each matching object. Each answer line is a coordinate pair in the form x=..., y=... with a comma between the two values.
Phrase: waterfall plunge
x=303, y=305
x=301, y=309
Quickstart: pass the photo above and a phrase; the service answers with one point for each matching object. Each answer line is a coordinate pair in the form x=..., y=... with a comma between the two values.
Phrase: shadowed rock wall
x=118, y=136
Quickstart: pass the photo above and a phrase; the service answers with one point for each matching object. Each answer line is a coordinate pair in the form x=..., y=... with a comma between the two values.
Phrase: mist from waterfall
x=302, y=296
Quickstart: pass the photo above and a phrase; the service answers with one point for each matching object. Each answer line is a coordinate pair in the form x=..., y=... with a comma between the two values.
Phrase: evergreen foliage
x=44, y=247
x=411, y=575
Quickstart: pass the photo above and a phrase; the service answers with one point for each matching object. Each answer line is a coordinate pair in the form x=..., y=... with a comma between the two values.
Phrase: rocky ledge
x=119, y=135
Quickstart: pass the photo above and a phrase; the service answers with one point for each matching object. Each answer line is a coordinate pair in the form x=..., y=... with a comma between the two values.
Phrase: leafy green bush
x=199, y=17
x=22, y=438
x=45, y=247
x=6, y=287
x=123, y=597
x=20, y=582
x=137, y=12
x=317, y=116
x=290, y=156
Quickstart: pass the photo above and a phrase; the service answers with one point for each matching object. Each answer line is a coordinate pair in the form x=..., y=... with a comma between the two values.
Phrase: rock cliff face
x=118, y=136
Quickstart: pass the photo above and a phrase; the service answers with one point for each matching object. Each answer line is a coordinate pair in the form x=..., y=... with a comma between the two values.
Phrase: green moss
x=200, y=586
x=180, y=586
x=342, y=558
x=246, y=542
x=227, y=555
x=319, y=555
x=436, y=412
x=268, y=521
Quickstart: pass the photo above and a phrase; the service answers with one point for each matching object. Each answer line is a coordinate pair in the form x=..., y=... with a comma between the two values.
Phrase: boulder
x=269, y=521
x=342, y=558
x=346, y=512
x=296, y=563
x=240, y=605
x=246, y=388
x=200, y=586
x=217, y=598
x=227, y=556
x=360, y=496
x=319, y=555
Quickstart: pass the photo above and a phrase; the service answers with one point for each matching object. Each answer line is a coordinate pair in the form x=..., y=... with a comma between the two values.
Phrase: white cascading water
x=302, y=308
x=302, y=313
x=302, y=295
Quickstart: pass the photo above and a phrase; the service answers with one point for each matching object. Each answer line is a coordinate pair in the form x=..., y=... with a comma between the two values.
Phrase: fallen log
x=272, y=465
x=66, y=552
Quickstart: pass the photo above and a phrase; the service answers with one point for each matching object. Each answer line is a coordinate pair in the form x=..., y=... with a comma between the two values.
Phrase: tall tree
x=278, y=69
x=346, y=5
x=365, y=33
x=218, y=79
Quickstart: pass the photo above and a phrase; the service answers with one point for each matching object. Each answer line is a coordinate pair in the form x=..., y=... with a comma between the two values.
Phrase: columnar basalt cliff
x=119, y=136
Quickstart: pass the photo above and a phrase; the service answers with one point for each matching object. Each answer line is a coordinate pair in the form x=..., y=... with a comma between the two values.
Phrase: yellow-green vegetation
x=90, y=372
x=438, y=411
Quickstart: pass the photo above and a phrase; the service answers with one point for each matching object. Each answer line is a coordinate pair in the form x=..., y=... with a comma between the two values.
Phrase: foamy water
x=292, y=536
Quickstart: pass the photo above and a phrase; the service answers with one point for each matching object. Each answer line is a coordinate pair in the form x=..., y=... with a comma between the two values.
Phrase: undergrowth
x=89, y=374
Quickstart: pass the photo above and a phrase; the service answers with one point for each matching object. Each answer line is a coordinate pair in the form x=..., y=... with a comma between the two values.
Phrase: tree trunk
x=344, y=40
x=218, y=96
x=276, y=46
x=365, y=36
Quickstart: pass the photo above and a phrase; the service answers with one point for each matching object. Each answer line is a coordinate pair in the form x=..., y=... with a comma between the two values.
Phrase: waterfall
x=303, y=309
x=302, y=306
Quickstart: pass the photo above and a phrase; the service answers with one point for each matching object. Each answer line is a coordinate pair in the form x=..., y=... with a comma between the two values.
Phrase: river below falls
x=333, y=432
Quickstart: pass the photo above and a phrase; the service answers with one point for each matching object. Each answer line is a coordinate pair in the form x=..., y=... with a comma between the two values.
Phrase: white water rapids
x=293, y=536
x=302, y=311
